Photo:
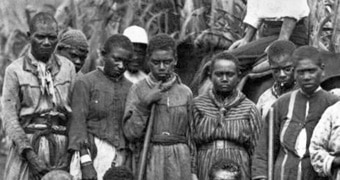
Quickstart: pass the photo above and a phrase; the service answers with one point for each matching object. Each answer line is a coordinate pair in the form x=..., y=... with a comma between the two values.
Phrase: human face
x=224, y=175
x=283, y=70
x=44, y=40
x=76, y=56
x=115, y=61
x=308, y=75
x=137, y=61
x=162, y=64
x=224, y=76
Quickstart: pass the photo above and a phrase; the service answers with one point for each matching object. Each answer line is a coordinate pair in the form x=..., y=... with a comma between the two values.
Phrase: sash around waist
x=220, y=144
x=168, y=139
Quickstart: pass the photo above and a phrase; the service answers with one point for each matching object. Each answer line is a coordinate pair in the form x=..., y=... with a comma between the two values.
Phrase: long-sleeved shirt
x=325, y=142
x=172, y=118
x=258, y=10
x=98, y=104
x=295, y=116
x=236, y=122
x=23, y=99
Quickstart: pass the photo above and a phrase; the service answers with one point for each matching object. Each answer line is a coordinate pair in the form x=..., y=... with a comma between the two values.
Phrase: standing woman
x=226, y=123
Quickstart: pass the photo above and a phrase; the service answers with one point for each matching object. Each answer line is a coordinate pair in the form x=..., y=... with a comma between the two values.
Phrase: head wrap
x=74, y=39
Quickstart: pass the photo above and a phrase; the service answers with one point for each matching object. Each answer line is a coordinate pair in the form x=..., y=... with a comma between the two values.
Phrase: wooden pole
x=143, y=156
x=271, y=144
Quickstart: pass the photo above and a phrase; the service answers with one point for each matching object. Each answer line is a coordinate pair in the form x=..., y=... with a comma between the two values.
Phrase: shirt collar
x=317, y=90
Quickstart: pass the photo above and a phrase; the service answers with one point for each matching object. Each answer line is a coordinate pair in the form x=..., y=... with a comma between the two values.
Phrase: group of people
x=93, y=125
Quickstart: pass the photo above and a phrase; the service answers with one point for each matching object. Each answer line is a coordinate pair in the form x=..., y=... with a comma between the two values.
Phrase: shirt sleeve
x=321, y=159
x=252, y=17
x=192, y=145
x=260, y=158
x=136, y=116
x=255, y=125
x=80, y=109
x=11, y=107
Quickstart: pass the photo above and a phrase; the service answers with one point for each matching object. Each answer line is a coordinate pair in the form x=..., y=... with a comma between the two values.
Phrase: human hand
x=194, y=176
x=37, y=166
x=154, y=95
x=88, y=171
x=64, y=162
x=238, y=43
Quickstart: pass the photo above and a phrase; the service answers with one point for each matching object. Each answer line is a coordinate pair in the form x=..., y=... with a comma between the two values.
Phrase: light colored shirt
x=258, y=10
x=134, y=77
x=325, y=142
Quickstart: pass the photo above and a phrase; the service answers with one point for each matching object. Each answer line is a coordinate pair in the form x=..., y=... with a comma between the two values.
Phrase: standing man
x=139, y=39
x=36, y=104
x=170, y=153
x=98, y=101
x=295, y=116
x=280, y=60
x=73, y=45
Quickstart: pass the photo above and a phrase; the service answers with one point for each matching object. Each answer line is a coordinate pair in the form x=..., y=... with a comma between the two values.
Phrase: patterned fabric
x=229, y=131
x=291, y=116
x=171, y=153
x=23, y=103
x=325, y=142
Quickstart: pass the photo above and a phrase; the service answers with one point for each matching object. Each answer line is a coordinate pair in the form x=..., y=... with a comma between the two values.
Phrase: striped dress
x=225, y=130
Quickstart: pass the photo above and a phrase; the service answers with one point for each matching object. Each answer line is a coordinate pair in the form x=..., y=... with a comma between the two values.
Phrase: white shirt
x=258, y=10
x=135, y=77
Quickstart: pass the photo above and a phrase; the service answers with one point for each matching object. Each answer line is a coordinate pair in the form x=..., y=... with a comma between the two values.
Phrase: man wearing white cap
x=139, y=39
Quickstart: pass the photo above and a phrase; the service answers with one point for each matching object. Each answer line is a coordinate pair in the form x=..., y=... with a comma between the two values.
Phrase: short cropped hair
x=42, y=18
x=117, y=41
x=161, y=42
x=118, y=173
x=280, y=48
x=225, y=165
x=224, y=56
x=307, y=52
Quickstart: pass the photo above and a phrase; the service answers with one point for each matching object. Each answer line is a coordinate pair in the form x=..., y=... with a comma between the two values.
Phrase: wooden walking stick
x=271, y=144
x=143, y=156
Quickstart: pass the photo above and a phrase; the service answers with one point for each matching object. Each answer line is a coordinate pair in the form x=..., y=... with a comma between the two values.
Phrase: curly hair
x=161, y=42
x=118, y=173
x=307, y=52
x=42, y=18
x=224, y=56
x=280, y=48
x=117, y=41
x=225, y=165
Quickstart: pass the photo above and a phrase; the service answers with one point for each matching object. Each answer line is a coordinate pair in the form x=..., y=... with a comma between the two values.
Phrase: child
x=118, y=173
x=225, y=169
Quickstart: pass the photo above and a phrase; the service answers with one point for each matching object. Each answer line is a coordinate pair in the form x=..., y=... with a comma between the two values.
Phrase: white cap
x=136, y=34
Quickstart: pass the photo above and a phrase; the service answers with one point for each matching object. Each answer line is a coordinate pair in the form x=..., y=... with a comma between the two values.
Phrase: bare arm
x=287, y=28
x=250, y=33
